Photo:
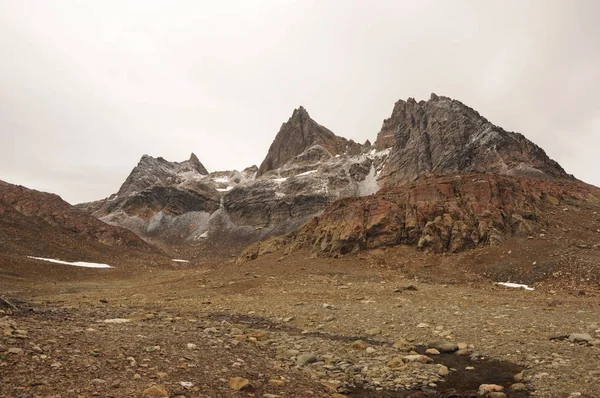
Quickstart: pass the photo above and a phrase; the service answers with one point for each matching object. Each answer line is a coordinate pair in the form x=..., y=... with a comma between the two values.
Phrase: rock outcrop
x=441, y=214
x=42, y=224
x=300, y=133
x=444, y=136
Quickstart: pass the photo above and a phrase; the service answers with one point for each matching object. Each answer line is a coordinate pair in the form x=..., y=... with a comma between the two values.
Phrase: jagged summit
x=151, y=171
x=444, y=136
x=197, y=165
x=300, y=133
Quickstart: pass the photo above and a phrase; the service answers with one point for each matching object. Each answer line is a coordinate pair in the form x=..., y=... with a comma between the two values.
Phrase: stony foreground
x=293, y=327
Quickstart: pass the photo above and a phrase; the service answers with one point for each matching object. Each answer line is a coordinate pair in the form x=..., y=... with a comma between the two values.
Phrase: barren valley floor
x=290, y=326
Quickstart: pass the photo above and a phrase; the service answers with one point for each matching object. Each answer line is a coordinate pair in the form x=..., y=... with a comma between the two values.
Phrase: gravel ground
x=293, y=327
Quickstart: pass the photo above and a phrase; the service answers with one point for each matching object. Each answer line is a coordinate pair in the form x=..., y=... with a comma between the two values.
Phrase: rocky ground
x=293, y=326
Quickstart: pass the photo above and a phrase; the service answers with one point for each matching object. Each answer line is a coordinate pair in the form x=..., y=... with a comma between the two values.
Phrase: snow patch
x=280, y=179
x=229, y=188
x=369, y=185
x=517, y=285
x=222, y=180
x=117, y=320
x=306, y=173
x=75, y=264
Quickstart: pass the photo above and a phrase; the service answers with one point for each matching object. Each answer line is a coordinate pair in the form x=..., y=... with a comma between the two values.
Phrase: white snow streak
x=75, y=264
x=306, y=173
x=518, y=285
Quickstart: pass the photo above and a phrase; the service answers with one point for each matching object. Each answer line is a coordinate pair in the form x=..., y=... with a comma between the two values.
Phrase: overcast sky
x=88, y=87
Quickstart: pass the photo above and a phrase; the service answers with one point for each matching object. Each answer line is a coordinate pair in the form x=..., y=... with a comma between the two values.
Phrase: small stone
x=136, y=376
x=191, y=346
x=422, y=325
x=372, y=332
x=464, y=353
x=277, y=382
x=98, y=381
x=359, y=345
x=443, y=371
x=417, y=358
x=446, y=347
x=15, y=351
x=336, y=395
x=162, y=375
x=156, y=391
x=239, y=383
x=395, y=362
x=486, y=389
x=56, y=365
x=517, y=387
x=432, y=351
x=305, y=359
x=579, y=338
x=403, y=345
x=370, y=350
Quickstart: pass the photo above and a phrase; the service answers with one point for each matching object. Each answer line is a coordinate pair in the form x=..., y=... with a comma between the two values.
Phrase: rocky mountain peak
x=196, y=164
x=300, y=133
x=444, y=136
x=151, y=171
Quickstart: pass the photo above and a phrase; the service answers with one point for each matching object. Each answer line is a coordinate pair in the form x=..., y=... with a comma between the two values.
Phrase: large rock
x=444, y=136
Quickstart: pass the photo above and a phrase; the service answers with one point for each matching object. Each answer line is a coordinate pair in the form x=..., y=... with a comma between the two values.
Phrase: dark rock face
x=40, y=223
x=299, y=133
x=444, y=136
x=169, y=200
x=157, y=171
x=441, y=214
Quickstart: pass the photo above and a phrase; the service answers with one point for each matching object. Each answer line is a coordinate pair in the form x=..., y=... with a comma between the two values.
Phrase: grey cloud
x=87, y=87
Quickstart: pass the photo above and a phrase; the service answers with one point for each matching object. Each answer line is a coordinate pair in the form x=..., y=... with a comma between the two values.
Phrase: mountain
x=306, y=168
x=300, y=133
x=438, y=214
x=444, y=136
x=452, y=181
x=151, y=172
x=34, y=223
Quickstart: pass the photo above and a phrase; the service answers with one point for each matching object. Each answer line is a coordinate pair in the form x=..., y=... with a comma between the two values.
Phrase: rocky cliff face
x=42, y=224
x=439, y=214
x=444, y=136
x=300, y=133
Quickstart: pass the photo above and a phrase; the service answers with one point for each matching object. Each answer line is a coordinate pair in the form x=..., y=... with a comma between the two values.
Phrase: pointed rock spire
x=299, y=133
x=196, y=164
